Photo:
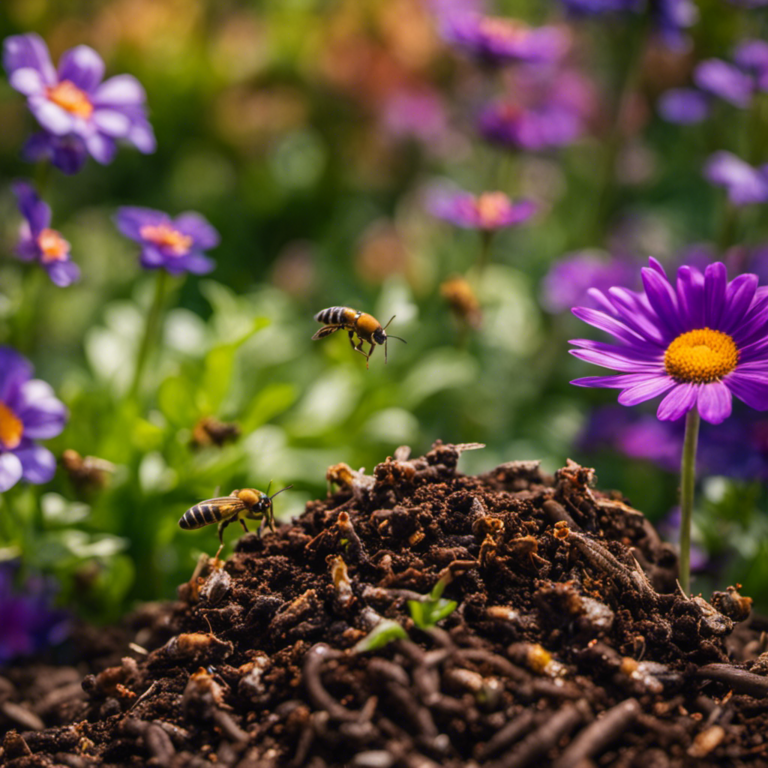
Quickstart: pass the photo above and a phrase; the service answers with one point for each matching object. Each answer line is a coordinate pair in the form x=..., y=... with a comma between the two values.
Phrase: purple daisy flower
x=29, y=411
x=487, y=211
x=497, y=40
x=744, y=183
x=73, y=100
x=697, y=342
x=175, y=245
x=29, y=622
x=685, y=106
x=571, y=278
x=38, y=242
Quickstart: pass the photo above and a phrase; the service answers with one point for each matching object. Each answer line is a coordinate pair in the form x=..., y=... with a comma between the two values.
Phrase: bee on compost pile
x=248, y=504
x=366, y=326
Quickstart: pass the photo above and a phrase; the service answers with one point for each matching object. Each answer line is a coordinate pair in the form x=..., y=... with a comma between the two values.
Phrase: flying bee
x=248, y=504
x=366, y=326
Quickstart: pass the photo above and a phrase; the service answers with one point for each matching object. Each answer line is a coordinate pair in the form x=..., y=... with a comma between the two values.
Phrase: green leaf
x=271, y=401
x=176, y=400
x=382, y=634
x=426, y=614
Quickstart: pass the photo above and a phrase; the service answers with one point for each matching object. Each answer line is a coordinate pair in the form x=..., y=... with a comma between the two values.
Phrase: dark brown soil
x=570, y=646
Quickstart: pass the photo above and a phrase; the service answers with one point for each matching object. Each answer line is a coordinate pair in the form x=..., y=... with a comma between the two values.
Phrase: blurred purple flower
x=671, y=18
x=569, y=280
x=497, y=40
x=546, y=107
x=416, y=114
x=28, y=621
x=724, y=80
x=29, y=411
x=487, y=211
x=598, y=7
x=38, y=242
x=744, y=183
x=670, y=527
x=684, y=105
x=175, y=245
x=73, y=100
x=67, y=153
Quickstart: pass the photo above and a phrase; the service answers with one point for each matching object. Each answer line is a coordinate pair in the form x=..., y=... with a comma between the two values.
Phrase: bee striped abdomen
x=336, y=316
x=199, y=516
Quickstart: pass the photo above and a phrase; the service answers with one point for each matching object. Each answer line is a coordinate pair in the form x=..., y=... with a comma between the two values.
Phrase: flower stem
x=687, y=482
x=486, y=238
x=150, y=331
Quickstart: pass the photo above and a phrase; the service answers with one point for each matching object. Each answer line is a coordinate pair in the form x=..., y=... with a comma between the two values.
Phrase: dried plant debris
x=550, y=630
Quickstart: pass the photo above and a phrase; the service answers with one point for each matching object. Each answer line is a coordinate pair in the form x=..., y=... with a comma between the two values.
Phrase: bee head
x=380, y=336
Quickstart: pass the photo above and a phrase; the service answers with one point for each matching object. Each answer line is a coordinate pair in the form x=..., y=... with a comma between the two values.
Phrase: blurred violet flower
x=29, y=411
x=67, y=153
x=416, y=114
x=175, y=245
x=744, y=183
x=38, y=242
x=669, y=528
x=498, y=40
x=685, y=106
x=546, y=107
x=28, y=622
x=487, y=211
x=726, y=81
x=599, y=7
x=698, y=341
x=570, y=279
x=74, y=102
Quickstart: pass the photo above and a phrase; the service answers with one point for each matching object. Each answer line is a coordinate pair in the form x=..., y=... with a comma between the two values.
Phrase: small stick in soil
x=510, y=733
x=739, y=680
x=597, y=736
x=24, y=717
x=545, y=737
x=557, y=513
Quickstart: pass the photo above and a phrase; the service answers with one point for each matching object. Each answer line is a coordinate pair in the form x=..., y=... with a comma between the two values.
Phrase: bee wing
x=227, y=506
x=326, y=331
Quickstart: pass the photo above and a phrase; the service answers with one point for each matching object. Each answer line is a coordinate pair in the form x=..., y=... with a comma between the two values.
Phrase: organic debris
x=550, y=628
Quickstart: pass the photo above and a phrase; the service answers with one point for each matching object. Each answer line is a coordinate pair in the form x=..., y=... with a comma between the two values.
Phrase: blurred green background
x=272, y=121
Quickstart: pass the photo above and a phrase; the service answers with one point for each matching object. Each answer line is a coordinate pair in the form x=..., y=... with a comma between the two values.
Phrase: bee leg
x=222, y=525
x=359, y=347
x=245, y=527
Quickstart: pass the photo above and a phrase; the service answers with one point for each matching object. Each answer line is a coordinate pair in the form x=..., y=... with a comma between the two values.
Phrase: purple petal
x=198, y=228
x=752, y=55
x=101, y=148
x=119, y=91
x=32, y=208
x=715, y=282
x=750, y=388
x=37, y=463
x=678, y=402
x=714, y=402
x=27, y=81
x=111, y=122
x=615, y=362
x=642, y=355
x=640, y=318
x=684, y=106
x=690, y=297
x=612, y=382
x=724, y=80
x=42, y=413
x=67, y=153
x=51, y=116
x=28, y=51
x=130, y=220
x=606, y=323
x=142, y=137
x=652, y=387
x=662, y=297
x=744, y=183
x=738, y=298
x=152, y=257
x=10, y=471
x=83, y=67
x=63, y=273
x=195, y=263
x=14, y=371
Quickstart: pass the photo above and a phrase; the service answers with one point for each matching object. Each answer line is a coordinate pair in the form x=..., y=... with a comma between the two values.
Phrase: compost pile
x=570, y=643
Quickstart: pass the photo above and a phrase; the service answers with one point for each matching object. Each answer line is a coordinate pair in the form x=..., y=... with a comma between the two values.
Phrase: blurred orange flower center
x=69, y=97
x=53, y=246
x=504, y=30
x=491, y=207
x=11, y=428
x=165, y=236
x=701, y=356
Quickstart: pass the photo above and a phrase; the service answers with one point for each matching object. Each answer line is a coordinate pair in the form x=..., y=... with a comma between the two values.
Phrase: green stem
x=486, y=238
x=150, y=331
x=687, y=482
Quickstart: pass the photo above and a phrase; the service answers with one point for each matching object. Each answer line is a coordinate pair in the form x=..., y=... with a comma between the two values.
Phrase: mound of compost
x=570, y=643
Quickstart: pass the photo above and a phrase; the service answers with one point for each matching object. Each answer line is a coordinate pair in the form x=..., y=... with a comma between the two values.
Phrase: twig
x=737, y=679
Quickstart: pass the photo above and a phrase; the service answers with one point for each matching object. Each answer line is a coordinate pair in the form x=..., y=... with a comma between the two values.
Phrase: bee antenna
x=390, y=320
x=280, y=491
x=269, y=487
x=390, y=336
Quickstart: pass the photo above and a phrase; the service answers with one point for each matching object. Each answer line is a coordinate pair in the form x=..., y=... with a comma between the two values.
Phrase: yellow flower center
x=69, y=97
x=165, y=236
x=491, y=206
x=701, y=356
x=53, y=246
x=11, y=428
x=503, y=30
